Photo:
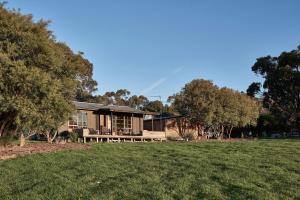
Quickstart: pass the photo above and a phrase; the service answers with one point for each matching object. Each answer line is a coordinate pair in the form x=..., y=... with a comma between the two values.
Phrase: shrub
x=74, y=136
x=189, y=136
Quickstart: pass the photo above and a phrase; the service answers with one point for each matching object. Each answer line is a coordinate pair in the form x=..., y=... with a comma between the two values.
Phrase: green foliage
x=196, y=101
x=281, y=86
x=39, y=76
x=138, y=101
x=253, y=89
x=215, y=110
x=263, y=169
x=154, y=106
x=74, y=136
x=122, y=97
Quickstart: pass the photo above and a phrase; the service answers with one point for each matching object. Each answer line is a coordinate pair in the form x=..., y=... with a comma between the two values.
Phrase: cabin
x=106, y=120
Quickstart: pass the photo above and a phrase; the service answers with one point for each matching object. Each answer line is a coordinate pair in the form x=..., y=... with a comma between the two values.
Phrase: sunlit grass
x=263, y=169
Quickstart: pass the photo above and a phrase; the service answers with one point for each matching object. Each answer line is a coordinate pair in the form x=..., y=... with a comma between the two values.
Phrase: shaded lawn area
x=263, y=169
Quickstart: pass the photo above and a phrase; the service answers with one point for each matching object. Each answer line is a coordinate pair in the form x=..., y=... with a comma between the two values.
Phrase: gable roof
x=110, y=108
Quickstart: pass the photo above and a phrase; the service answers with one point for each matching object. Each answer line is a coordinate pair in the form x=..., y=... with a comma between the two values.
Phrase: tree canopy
x=211, y=109
x=39, y=76
x=281, y=86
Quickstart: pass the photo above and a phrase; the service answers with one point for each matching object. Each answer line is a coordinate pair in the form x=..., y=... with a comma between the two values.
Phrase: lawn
x=263, y=169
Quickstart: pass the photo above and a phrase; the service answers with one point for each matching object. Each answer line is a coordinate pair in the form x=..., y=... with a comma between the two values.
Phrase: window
x=82, y=120
x=122, y=122
x=78, y=120
x=73, y=122
x=128, y=122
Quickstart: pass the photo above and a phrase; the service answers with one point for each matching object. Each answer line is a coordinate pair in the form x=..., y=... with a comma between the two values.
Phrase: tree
x=281, y=86
x=226, y=113
x=210, y=109
x=253, y=89
x=248, y=111
x=138, y=102
x=154, y=106
x=196, y=102
x=121, y=97
x=39, y=76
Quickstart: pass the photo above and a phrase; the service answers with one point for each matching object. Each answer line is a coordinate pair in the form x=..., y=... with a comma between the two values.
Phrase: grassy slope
x=266, y=169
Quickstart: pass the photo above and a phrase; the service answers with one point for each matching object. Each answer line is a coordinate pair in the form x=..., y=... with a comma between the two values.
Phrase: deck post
x=97, y=140
x=101, y=139
x=119, y=140
x=84, y=139
x=107, y=139
x=152, y=123
x=111, y=123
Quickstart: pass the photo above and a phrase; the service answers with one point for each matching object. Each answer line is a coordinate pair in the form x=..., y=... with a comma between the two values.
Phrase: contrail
x=160, y=81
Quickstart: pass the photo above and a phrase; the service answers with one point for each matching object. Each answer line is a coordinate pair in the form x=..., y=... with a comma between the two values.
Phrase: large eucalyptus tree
x=39, y=76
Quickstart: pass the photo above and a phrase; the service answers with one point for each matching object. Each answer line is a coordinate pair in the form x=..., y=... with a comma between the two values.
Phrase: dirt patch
x=14, y=151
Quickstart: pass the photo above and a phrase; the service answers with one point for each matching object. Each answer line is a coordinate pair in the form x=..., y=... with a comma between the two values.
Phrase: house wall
x=169, y=126
x=64, y=127
x=158, y=125
x=96, y=120
x=137, y=124
x=92, y=120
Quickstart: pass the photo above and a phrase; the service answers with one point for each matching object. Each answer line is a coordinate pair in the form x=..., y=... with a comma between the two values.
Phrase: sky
x=155, y=47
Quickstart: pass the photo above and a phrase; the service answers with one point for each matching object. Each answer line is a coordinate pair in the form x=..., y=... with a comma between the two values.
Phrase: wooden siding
x=95, y=120
x=91, y=119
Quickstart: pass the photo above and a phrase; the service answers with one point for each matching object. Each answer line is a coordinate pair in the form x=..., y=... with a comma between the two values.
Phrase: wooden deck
x=121, y=138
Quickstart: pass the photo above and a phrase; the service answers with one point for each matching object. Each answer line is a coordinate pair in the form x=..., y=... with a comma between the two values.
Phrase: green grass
x=263, y=169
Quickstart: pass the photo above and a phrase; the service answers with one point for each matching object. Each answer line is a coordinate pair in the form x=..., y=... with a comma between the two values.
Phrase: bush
x=189, y=136
x=74, y=136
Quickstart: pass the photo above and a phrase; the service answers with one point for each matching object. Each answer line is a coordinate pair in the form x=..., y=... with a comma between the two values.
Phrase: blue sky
x=154, y=47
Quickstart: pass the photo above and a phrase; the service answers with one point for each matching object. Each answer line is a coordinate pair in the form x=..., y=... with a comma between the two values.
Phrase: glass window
x=128, y=122
x=78, y=120
x=122, y=122
x=82, y=119
x=73, y=121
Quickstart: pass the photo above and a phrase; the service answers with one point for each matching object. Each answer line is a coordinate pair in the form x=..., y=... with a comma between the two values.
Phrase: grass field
x=263, y=169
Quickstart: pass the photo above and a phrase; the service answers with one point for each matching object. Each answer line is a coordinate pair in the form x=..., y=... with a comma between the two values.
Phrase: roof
x=164, y=118
x=110, y=108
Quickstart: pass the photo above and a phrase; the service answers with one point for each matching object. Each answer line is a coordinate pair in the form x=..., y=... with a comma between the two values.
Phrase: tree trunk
x=222, y=132
x=3, y=125
x=22, y=140
x=48, y=135
x=229, y=133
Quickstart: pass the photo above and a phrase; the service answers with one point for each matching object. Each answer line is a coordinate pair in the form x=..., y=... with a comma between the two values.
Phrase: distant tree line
x=123, y=97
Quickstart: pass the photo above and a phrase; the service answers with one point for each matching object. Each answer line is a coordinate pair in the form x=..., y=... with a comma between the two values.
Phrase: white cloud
x=154, y=85
x=161, y=81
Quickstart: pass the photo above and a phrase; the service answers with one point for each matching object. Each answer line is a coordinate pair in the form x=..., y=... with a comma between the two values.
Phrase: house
x=106, y=120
